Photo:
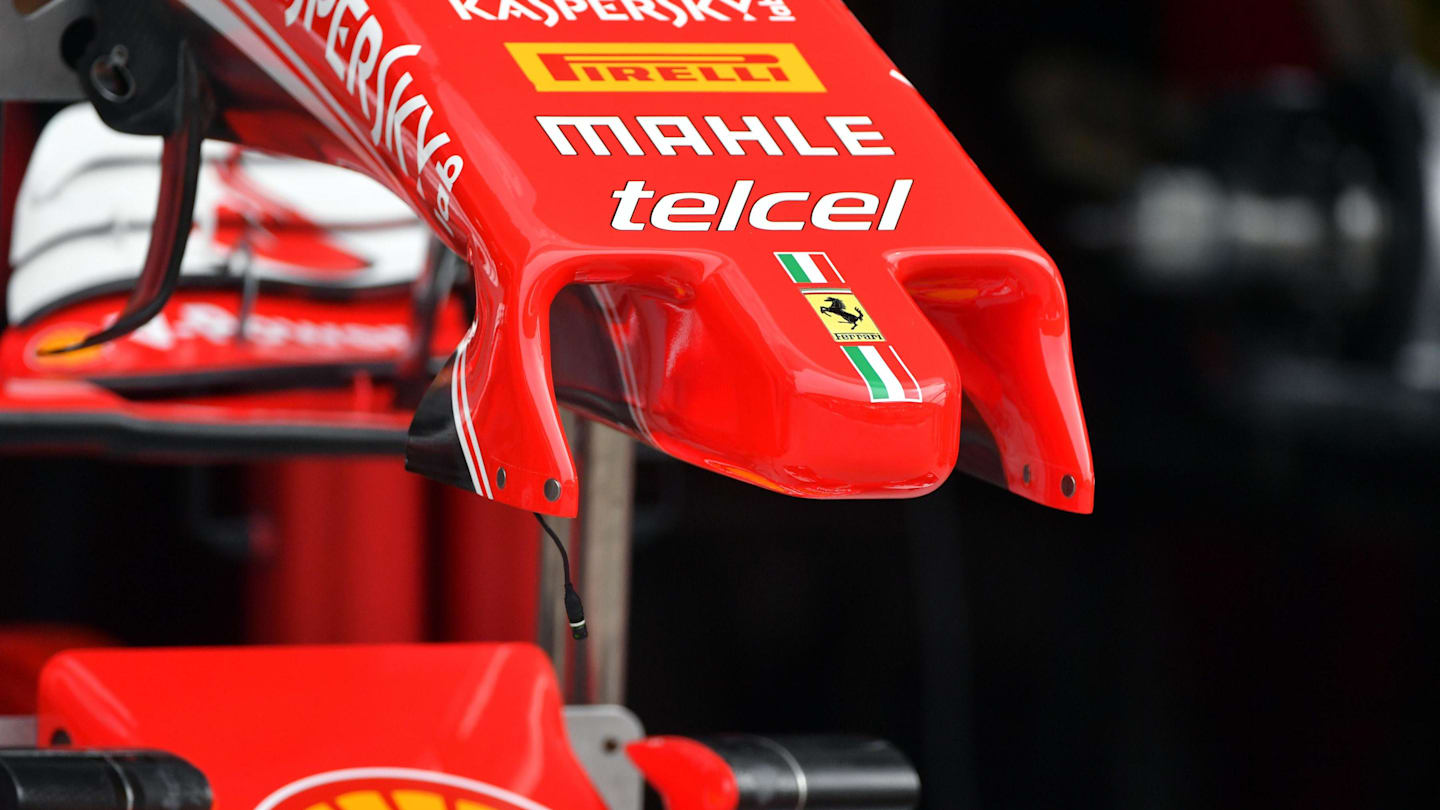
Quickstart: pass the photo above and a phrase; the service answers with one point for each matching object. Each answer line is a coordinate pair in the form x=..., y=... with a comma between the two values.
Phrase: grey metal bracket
x=598, y=735
x=31, y=67
x=18, y=731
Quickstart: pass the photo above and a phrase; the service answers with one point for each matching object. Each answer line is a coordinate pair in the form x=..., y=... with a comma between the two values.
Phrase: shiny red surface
x=205, y=376
x=24, y=649
x=729, y=366
x=198, y=333
x=258, y=720
x=686, y=774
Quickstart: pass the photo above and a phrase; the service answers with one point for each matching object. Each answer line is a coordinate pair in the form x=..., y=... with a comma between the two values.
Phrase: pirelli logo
x=665, y=67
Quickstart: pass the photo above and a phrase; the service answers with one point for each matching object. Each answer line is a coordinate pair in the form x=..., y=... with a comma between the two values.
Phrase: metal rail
x=31, y=67
x=600, y=547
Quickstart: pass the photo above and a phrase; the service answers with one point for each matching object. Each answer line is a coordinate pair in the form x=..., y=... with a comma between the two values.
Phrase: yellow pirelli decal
x=665, y=67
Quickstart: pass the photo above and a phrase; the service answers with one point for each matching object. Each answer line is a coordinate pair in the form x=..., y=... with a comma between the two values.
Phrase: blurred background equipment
x=1245, y=199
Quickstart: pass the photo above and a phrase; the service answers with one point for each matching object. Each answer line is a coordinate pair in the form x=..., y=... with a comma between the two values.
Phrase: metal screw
x=500, y=478
x=1067, y=486
x=552, y=490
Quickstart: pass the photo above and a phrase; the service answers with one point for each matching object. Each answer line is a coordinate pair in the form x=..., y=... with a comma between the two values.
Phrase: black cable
x=574, y=609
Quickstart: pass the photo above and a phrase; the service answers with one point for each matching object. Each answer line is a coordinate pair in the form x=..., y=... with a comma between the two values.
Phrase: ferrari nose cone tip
x=831, y=439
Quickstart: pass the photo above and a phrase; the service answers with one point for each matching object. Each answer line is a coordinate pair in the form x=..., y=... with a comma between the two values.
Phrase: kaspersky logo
x=393, y=789
x=665, y=67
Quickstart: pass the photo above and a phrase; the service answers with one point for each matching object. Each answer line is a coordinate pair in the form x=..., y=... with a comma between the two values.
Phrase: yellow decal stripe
x=665, y=67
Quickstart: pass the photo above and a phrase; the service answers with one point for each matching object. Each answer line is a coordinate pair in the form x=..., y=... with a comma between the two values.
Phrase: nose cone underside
x=807, y=389
x=813, y=374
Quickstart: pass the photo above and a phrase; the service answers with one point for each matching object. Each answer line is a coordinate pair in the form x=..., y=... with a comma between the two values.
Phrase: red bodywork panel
x=473, y=721
x=795, y=265
x=315, y=371
x=24, y=649
x=197, y=337
x=687, y=774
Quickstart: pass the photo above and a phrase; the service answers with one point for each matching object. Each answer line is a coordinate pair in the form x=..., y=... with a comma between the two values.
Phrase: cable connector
x=574, y=609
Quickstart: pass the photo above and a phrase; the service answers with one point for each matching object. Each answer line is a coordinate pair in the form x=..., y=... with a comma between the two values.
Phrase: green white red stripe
x=884, y=372
x=810, y=268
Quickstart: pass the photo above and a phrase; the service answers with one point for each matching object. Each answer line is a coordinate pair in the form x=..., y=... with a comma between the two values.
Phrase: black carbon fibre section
x=583, y=366
x=433, y=447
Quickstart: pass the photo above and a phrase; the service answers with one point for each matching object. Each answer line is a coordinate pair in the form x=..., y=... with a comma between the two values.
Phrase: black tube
x=32, y=779
x=818, y=772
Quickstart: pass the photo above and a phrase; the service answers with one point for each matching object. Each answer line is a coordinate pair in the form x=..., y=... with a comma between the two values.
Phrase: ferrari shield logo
x=844, y=316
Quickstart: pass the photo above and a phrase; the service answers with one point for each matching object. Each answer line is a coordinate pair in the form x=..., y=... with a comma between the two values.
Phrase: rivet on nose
x=1067, y=486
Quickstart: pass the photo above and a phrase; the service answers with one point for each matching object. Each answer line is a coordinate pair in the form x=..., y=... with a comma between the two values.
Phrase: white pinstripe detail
x=459, y=424
x=472, y=436
x=918, y=392
x=894, y=391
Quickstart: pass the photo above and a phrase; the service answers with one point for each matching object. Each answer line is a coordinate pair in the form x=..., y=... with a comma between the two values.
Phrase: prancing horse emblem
x=836, y=307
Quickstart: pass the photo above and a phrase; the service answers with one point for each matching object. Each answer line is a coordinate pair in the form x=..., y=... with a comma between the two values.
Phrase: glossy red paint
x=198, y=333
x=268, y=725
x=305, y=364
x=686, y=774
x=724, y=361
x=24, y=649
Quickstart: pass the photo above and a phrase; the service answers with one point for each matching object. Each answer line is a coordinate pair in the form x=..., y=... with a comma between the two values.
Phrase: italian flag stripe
x=808, y=268
x=884, y=373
